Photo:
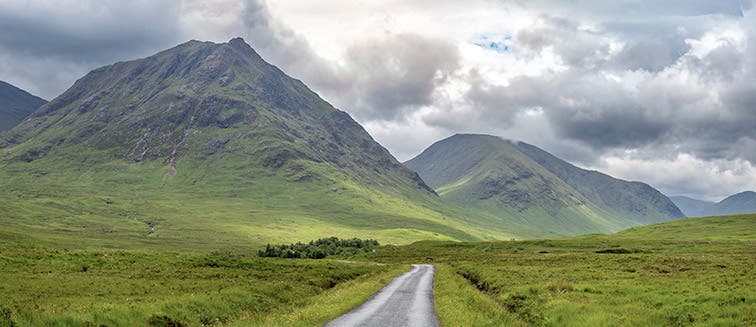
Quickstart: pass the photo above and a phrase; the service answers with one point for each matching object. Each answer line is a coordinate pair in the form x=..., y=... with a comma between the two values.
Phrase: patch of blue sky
x=498, y=43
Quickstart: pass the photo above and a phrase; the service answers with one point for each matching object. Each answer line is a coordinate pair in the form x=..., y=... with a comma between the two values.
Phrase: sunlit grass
x=688, y=272
x=50, y=287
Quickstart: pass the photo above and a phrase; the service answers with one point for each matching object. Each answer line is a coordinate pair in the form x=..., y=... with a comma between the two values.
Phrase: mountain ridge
x=738, y=203
x=519, y=182
x=15, y=105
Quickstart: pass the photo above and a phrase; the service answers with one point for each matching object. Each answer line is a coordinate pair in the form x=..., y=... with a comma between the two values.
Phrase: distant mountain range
x=741, y=203
x=15, y=105
x=522, y=183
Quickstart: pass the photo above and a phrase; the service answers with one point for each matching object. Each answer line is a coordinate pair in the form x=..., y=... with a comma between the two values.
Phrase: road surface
x=406, y=301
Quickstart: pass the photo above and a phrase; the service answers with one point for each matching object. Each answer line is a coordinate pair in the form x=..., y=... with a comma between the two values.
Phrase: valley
x=172, y=190
x=699, y=273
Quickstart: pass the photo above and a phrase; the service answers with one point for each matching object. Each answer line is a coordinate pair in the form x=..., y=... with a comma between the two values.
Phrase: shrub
x=164, y=321
x=6, y=317
x=319, y=249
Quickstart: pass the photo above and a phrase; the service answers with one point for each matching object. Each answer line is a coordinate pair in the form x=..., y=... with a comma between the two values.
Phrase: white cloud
x=684, y=174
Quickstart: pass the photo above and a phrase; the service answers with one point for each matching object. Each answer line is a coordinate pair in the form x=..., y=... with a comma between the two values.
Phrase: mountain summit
x=201, y=100
x=521, y=183
x=208, y=139
x=15, y=105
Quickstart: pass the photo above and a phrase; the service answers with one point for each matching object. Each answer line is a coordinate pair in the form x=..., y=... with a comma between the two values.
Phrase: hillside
x=741, y=203
x=723, y=228
x=520, y=183
x=691, y=207
x=206, y=144
x=15, y=105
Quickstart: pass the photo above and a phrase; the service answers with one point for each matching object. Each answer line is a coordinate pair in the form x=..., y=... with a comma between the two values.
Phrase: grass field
x=687, y=272
x=50, y=287
x=117, y=205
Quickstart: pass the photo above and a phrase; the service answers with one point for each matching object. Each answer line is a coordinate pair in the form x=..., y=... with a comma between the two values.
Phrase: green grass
x=115, y=204
x=688, y=272
x=459, y=304
x=53, y=287
x=320, y=309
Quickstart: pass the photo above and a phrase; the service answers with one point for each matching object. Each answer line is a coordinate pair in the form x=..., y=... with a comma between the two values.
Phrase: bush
x=522, y=306
x=319, y=249
x=164, y=321
x=6, y=317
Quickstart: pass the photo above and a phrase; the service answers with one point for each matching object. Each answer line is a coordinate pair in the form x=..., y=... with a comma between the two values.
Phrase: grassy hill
x=525, y=186
x=208, y=146
x=15, y=105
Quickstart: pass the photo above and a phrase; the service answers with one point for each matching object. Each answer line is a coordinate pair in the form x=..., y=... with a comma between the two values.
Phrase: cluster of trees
x=319, y=249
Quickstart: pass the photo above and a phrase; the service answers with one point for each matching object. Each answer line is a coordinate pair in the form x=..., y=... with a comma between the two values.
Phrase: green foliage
x=6, y=317
x=319, y=248
x=163, y=321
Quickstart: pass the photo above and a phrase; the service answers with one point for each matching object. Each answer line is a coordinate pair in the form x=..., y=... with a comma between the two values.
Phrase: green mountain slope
x=15, y=105
x=741, y=203
x=204, y=145
x=522, y=184
x=691, y=207
x=633, y=200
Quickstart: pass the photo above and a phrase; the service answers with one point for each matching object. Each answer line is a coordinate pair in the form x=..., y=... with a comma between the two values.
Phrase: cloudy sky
x=657, y=91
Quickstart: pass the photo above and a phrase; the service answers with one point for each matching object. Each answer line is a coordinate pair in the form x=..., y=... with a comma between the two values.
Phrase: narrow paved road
x=406, y=301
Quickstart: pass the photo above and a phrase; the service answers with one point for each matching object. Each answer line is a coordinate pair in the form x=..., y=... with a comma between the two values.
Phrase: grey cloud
x=45, y=46
x=282, y=46
x=631, y=9
x=577, y=48
x=651, y=54
x=392, y=74
x=110, y=29
x=382, y=78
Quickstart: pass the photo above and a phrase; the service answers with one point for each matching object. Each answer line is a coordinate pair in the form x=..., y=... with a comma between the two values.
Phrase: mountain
x=741, y=203
x=206, y=144
x=691, y=207
x=15, y=105
x=523, y=184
